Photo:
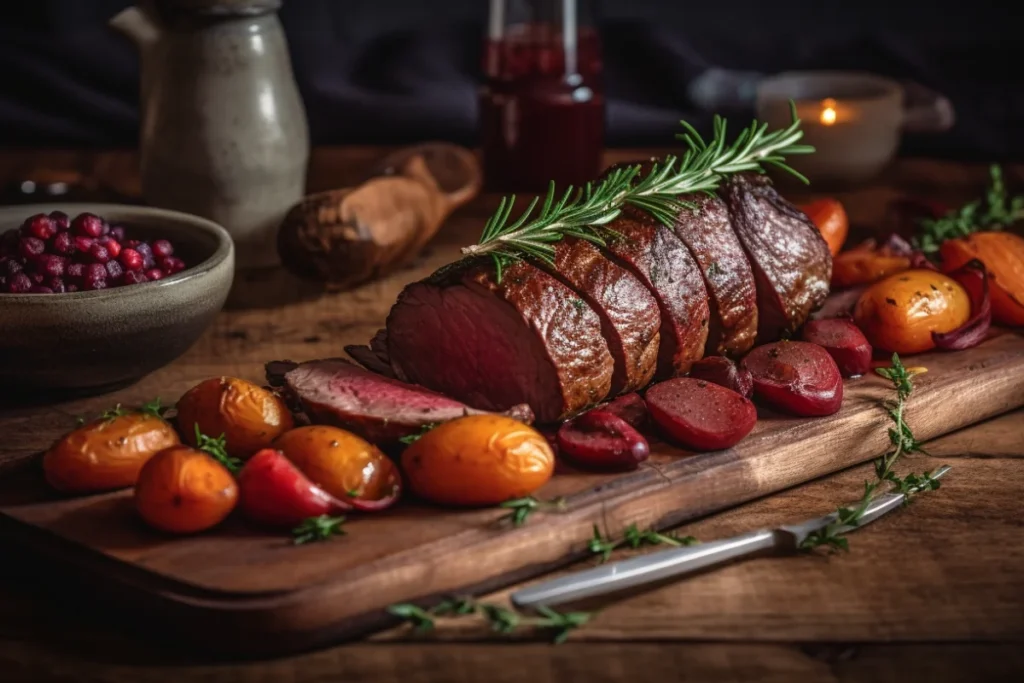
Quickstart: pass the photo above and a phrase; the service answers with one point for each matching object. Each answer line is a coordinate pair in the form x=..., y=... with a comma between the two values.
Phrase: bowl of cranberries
x=93, y=297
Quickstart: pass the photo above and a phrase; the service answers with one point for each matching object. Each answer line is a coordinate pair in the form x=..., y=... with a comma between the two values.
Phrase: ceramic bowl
x=97, y=341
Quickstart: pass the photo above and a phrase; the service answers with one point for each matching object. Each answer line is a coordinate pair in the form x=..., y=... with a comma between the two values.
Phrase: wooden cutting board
x=243, y=591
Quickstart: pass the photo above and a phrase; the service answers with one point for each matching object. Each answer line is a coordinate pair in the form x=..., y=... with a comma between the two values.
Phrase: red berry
x=162, y=249
x=31, y=247
x=112, y=246
x=19, y=283
x=56, y=284
x=117, y=233
x=84, y=244
x=49, y=264
x=99, y=253
x=95, y=271
x=131, y=259
x=133, y=277
x=12, y=267
x=37, y=278
x=40, y=289
x=132, y=243
x=147, y=255
x=87, y=225
x=172, y=264
x=154, y=274
x=62, y=243
x=39, y=226
x=75, y=270
x=94, y=284
x=114, y=270
x=60, y=220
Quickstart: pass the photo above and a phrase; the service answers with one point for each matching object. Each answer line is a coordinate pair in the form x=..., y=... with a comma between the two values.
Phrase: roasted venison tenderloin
x=790, y=259
x=382, y=410
x=528, y=339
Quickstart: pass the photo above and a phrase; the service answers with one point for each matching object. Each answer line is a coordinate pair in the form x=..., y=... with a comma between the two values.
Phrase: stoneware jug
x=224, y=132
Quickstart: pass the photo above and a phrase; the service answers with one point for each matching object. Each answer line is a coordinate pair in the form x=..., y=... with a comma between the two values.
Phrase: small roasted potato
x=107, y=453
x=249, y=416
x=478, y=460
x=344, y=465
x=901, y=312
x=182, y=491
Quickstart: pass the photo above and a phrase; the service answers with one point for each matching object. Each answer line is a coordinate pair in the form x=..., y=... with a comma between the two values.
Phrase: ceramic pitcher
x=224, y=131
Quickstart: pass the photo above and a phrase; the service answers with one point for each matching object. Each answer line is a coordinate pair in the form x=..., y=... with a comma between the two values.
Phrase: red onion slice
x=972, y=277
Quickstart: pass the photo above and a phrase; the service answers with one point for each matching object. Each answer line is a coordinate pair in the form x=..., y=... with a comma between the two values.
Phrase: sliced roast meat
x=340, y=393
x=526, y=339
x=629, y=313
x=732, y=294
x=664, y=265
x=790, y=259
x=373, y=357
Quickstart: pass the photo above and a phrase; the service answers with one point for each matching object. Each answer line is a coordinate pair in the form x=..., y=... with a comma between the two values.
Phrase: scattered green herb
x=633, y=537
x=410, y=439
x=154, y=408
x=217, y=449
x=318, y=529
x=523, y=507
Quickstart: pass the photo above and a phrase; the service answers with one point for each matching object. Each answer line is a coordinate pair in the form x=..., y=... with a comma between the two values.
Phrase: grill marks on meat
x=379, y=409
x=663, y=263
x=629, y=313
x=791, y=262
x=732, y=294
x=529, y=339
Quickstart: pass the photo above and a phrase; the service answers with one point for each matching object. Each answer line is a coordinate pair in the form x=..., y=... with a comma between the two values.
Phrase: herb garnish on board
x=501, y=619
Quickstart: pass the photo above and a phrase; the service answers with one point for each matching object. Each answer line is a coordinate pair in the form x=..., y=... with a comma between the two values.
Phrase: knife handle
x=644, y=569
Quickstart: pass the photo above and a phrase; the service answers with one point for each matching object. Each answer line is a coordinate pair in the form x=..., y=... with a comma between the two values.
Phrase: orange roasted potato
x=182, y=491
x=1003, y=256
x=900, y=312
x=831, y=220
x=107, y=453
x=249, y=416
x=478, y=460
x=344, y=465
x=864, y=264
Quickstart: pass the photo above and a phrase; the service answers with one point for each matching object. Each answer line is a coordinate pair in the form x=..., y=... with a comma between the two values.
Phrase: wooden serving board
x=250, y=592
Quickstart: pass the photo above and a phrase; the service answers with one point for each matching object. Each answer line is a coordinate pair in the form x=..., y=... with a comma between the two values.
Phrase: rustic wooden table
x=933, y=592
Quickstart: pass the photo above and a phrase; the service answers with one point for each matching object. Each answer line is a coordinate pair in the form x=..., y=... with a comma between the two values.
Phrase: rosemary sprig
x=584, y=212
x=217, y=449
x=633, y=537
x=523, y=507
x=501, y=619
x=995, y=211
x=317, y=529
x=903, y=442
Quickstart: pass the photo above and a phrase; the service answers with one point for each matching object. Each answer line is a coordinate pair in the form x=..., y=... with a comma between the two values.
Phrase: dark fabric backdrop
x=394, y=71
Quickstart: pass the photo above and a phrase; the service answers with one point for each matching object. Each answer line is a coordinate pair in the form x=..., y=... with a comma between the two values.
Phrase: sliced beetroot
x=723, y=372
x=631, y=408
x=700, y=415
x=844, y=341
x=796, y=377
x=972, y=276
x=602, y=440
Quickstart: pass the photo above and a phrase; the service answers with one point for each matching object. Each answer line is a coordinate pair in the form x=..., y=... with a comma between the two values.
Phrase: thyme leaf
x=317, y=529
x=499, y=618
x=522, y=508
x=217, y=449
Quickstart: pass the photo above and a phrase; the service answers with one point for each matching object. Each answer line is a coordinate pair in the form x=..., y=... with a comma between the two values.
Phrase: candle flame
x=828, y=112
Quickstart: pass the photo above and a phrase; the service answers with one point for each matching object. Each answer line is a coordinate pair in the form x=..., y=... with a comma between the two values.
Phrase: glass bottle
x=542, y=101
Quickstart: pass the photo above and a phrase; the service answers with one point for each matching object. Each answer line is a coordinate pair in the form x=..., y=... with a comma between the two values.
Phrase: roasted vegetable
x=700, y=415
x=844, y=341
x=181, y=490
x=601, y=439
x=796, y=377
x=1003, y=256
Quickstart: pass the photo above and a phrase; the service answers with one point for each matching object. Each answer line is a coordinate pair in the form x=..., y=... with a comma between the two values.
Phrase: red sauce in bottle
x=541, y=116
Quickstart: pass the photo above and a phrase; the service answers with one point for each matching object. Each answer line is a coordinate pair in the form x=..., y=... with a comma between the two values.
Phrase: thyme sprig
x=410, y=439
x=995, y=211
x=586, y=211
x=151, y=408
x=522, y=508
x=633, y=537
x=903, y=442
x=217, y=449
x=318, y=529
x=501, y=619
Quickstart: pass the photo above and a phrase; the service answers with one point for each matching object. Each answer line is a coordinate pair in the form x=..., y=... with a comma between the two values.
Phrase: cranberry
x=87, y=225
x=117, y=232
x=172, y=264
x=12, y=267
x=84, y=244
x=131, y=259
x=114, y=270
x=51, y=265
x=72, y=288
x=134, y=277
x=40, y=289
x=155, y=274
x=56, y=284
x=99, y=253
x=62, y=243
x=147, y=255
x=37, y=278
x=60, y=220
x=131, y=244
x=95, y=271
x=31, y=247
x=162, y=249
x=94, y=284
x=112, y=246
x=19, y=283
x=75, y=270
x=39, y=226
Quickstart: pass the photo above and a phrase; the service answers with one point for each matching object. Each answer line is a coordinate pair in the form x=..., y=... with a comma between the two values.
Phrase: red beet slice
x=844, y=341
x=275, y=492
x=631, y=408
x=602, y=440
x=796, y=377
x=723, y=372
x=700, y=415
x=972, y=276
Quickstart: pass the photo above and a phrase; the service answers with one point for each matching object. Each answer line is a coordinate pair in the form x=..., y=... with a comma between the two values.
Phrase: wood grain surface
x=929, y=593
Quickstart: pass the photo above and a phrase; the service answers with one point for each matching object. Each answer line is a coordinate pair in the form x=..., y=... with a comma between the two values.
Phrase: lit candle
x=828, y=112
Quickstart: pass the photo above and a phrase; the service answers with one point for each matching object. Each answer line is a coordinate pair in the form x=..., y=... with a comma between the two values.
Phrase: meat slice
x=790, y=259
x=373, y=357
x=629, y=313
x=732, y=294
x=528, y=339
x=337, y=392
x=663, y=263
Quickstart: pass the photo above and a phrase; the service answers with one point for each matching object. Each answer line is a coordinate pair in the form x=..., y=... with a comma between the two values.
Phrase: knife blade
x=656, y=566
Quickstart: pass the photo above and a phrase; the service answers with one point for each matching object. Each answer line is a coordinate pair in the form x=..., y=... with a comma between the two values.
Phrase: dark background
x=395, y=71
